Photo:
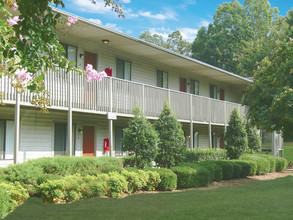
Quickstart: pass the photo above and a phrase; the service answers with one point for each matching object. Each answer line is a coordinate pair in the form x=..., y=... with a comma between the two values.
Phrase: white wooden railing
x=125, y=95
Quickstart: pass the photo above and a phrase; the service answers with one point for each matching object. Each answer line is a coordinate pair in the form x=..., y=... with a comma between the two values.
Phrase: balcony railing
x=121, y=96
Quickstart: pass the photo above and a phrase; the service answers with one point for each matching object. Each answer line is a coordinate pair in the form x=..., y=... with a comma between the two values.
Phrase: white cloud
x=187, y=3
x=125, y=1
x=168, y=14
x=204, y=23
x=87, y=6
x=98, y=21
x=164, y=32
x=188, y=34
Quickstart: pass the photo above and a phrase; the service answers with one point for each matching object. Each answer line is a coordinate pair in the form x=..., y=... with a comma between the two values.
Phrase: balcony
x=121, y=96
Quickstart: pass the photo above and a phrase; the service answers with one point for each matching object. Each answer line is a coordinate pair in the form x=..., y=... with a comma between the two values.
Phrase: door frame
x=95, y=150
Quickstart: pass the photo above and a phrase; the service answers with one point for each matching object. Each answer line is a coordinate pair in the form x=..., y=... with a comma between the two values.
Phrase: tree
x=171, y=138
x=235, y=26
x=236, y=137
x=270, y=96
x=140, y=138
x=174, y=42
x=29, y=43
x=253, y=138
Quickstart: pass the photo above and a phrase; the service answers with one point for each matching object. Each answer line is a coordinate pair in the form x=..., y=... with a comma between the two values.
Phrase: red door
x=88, y=141
x=222, y=94
x=90, y=58
x=182, y=85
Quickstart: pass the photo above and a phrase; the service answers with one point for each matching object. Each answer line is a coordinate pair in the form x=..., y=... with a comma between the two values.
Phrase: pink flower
x=20, y=37
x=94, y=75
x=14, y=20
x=15, y=6
x=71, y=20
x=23, y=75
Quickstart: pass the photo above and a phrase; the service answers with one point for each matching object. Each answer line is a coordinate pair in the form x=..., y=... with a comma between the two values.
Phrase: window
x=162, y=79
x=60, y=140
x=194, y=87
x=118, y=141
x=213, y=92
x=70, y=52
x=6, y=139
x=123, y=69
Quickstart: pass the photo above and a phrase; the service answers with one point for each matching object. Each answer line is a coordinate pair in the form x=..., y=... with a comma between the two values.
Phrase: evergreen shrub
x=168, y=179
x=194, y=155
x=263, y=165
x=281, y=163
x=227, y=168
x=215, y=170
x=272, y=161
x=202, y=174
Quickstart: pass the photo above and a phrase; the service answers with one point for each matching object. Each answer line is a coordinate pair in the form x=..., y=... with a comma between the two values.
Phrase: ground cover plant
x=248, y=201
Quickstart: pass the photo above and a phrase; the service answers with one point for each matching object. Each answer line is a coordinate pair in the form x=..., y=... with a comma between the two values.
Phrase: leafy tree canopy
x=174, y=42
x=270, y=96
x=239, y=36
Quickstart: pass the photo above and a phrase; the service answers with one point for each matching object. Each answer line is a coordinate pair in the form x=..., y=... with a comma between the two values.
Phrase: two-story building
x=83, y=114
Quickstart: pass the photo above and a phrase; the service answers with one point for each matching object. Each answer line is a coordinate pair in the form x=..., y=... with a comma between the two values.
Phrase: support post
x=69, y=114
x=143, y=99
x=225, y=116
x=16, y=127
x=191, y=123
x=111, y=154
x=169, y=96
x=210, y=124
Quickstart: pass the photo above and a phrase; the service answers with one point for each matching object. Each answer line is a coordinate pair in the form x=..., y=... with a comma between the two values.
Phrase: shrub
x=253, y=138
x=203, y=175
x=227, y=169
x=11, y=196
x=252, y=168
x=92, y=186
x=263, y=165
x=171, y=138
x=281, y=163
x=116, y=185
x=272, y=161
x=193, y=155
x=134, y=181
x=215, y=170
x=248, y=168
x=168, y=179
x=153, y=180
x=129, y=161
x=237, y=170
x=140, y=138
x=236, y=136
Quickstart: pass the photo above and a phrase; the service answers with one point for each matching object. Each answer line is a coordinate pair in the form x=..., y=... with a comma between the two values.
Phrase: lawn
x=271, y=199
x=288, y=150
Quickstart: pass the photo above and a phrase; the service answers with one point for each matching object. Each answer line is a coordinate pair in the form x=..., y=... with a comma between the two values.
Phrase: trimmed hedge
x=188, y=177
x=272, y=161
x=194, y=155
x=246, y=168
x=263, y=165
x=281, y=163
x=215, y=170
x=227, y=169
x=168, y=179
x=11, y=196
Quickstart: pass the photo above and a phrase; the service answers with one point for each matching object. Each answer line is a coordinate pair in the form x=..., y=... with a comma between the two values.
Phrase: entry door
x=182, y=85
x=222, y=141
x=90, y=58
x=88, y=141
x=222, y=94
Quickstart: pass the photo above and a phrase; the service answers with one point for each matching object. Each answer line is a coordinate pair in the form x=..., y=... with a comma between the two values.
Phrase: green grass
x=288, y=150
x=271, y=199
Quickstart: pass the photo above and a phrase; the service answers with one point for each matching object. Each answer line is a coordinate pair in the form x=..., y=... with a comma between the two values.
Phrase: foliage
x=153, y=180
x=281, y=164
x=197, y=154
x=253, y=138
x=116, y=185
x=215, y=170
x=129, y=161
x=272, y=160
x=227, y=168
x=270, y=96
x=171, y=138
x=140, y=138
x=263, y=165
x=11, y=196
x=168, y=179
x=252, y=167
x=239, y=36
x=235, y=137
x=174, y=42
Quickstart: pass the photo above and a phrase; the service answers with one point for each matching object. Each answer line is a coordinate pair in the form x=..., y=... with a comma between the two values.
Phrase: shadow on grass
x=271, y=199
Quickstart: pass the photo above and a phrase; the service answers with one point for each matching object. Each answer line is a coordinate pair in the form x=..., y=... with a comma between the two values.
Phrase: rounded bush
x=153, y=180
x=237, y=170
x=263, y=165
x=227, y=169
x=215, y=170
x=134, y=181
x=281, y=163
x=245, y=168
x=116, y=185
x=203, y=174
x=272, y=161
x=168, y=179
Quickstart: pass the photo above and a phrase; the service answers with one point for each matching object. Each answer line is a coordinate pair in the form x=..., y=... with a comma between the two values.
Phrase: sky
x=157, y=16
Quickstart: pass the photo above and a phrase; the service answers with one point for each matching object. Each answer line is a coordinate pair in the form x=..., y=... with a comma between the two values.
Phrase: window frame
x=215, y=91
x=193, y=82
x=160, y=81
x=130, y=72
x=65, y=46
